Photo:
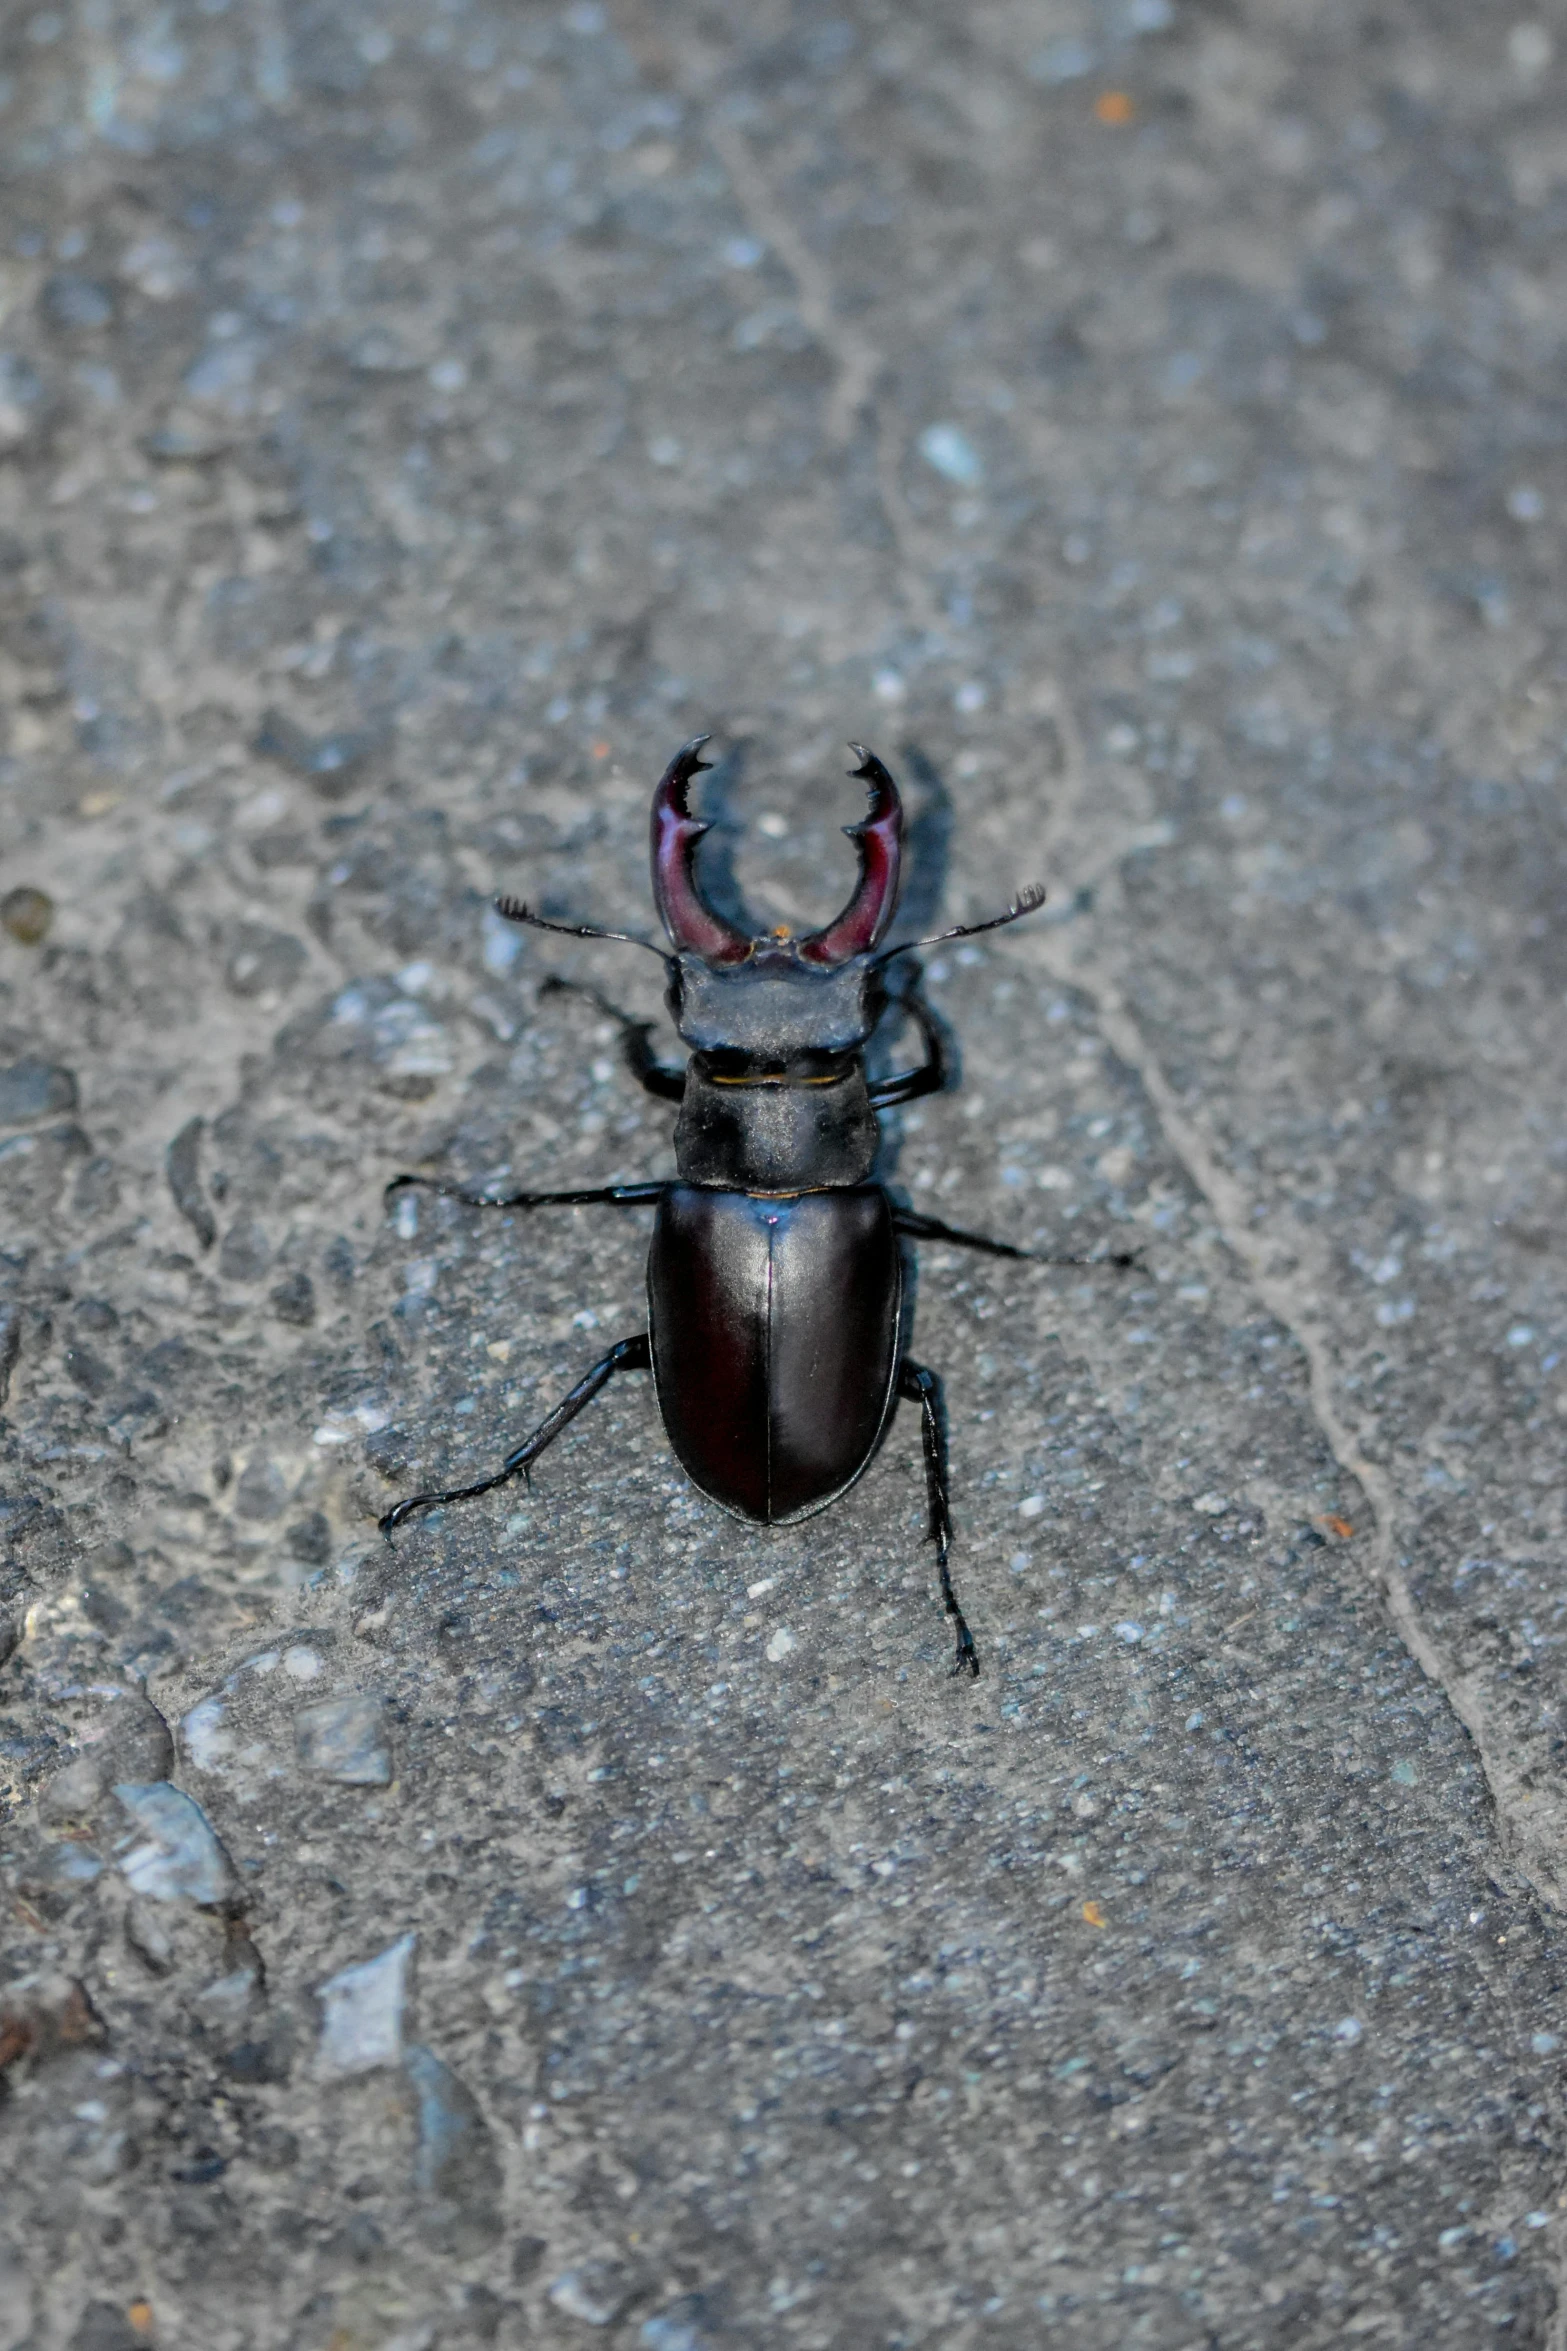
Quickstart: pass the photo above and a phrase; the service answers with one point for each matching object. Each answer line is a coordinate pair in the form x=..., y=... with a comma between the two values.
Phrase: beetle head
x=776, y=1001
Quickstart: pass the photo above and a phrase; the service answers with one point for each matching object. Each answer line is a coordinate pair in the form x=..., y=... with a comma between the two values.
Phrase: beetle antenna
x=514, y=911
x=1026, y=902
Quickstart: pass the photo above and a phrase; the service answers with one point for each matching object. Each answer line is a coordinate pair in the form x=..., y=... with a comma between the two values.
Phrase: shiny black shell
x=774, y=1324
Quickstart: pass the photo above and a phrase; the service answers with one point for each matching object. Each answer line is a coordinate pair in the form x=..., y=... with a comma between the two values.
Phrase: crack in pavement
x=858, y=362
x=1533, y=1832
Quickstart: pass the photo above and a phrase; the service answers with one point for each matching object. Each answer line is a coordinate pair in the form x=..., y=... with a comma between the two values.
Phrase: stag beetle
x=775, y=1276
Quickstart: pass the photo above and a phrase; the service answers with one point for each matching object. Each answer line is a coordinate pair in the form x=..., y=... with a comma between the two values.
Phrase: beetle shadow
x=927, y=849
x=720, y=883
x=927, y=858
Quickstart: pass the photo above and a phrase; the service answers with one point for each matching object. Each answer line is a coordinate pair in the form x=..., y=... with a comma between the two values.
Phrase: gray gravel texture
x=600, y=1920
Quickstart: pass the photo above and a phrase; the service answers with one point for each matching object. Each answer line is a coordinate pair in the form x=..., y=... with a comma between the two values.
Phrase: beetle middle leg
x=931, y=1228
x=633, y=1354
x=645, y=1195
x=923, y=1388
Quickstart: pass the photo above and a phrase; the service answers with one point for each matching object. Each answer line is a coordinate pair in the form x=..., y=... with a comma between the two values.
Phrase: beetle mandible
x=776, y=1303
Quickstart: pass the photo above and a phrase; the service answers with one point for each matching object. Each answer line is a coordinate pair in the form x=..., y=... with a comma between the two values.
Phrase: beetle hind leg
x=633, y=1354
x=922, y=1387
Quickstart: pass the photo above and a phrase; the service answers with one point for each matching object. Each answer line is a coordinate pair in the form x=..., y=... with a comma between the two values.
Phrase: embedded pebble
x=34, y=1089
x=182, y=1164
x=72, y=1794
x=679, y=2327
x=262, y=1492
x=309, y=1539
x=22, y=402
x=75, y=304
x=244, y=1256
x=207, y=1742
x=128, y=1740
x=26, y=914
x=362, y=2012
x=42, y=2014
x=105, y=2326
x=456, y=2161
x=182, y=1859
x=293, y=1299
x=344, y=1739
x=333, y=763
x=264, y=962
x=54, y=1878
x=596, y=2292
x=952, y=454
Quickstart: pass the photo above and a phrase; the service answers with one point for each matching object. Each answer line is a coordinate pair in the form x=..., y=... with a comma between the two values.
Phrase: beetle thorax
x=776, y=1098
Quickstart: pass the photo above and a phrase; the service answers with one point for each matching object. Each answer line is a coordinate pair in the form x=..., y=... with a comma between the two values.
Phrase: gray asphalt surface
x=598, y=1920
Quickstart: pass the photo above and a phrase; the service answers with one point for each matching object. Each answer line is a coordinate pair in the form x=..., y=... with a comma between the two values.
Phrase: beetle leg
x=931, y=1228
x=633, y=1354
x=923, y=1388
x=620, y=1195
x=655, y=1077
x=907, y=1085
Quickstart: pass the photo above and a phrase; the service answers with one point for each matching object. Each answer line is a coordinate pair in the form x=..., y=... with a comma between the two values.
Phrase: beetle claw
x=692, y=924
x=879, y=839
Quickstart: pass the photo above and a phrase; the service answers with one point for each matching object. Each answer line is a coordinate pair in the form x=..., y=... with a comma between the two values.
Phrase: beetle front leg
x=655, y=1077
x=907, y=1085
x=923, y=1388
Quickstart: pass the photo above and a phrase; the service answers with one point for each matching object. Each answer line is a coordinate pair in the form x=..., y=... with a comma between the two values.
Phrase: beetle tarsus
x=922, y=1387
x=632, y=1354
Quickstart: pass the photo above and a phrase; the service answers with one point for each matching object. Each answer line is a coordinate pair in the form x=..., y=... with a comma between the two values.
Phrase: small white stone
x=952, y=454
x=596, y=2293
x=1031, y=1506
x=1212, y=1505
x=362, y=2012
x=779, y=1647
x=206, y=1741
x=1529, y=50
